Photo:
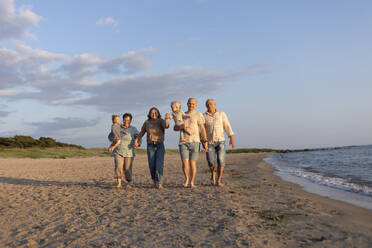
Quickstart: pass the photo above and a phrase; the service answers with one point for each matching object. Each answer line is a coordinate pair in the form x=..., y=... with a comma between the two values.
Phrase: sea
x=342, y=173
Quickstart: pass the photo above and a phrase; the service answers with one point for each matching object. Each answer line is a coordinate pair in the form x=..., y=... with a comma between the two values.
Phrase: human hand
x=187, y=131
x=232, y=143
x=135, y=145
x=167, y=116
x=205, y=146
x=110, y=149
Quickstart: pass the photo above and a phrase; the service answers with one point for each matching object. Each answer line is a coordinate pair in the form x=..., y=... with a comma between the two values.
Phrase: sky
x=288, y=74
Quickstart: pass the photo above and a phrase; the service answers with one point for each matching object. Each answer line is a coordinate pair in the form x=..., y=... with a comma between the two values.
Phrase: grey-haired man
x=216, y=122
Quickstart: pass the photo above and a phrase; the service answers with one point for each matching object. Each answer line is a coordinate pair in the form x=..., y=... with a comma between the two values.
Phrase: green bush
x=20, y=141
x=47, y=142
x=7, y=142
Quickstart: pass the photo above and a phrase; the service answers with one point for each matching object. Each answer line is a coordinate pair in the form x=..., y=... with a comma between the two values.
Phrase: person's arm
x=203, y=132
x=140, y=135
x=167, y=117
x=113, y=146
x=179, y=127
x=203, y=136
x=232, y=142
x=135, y=135
x=228, y=130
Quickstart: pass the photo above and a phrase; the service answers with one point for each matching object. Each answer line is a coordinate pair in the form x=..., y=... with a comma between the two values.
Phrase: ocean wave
x=319, y=178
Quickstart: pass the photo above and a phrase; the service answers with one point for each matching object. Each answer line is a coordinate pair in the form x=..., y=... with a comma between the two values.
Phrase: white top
x=195, y=119
x=215, y=124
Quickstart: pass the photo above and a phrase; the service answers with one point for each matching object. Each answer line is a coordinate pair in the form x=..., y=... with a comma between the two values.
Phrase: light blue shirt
x=126, y=147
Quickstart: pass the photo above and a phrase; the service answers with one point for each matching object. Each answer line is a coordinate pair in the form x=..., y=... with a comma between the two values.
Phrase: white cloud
x=107, y=21
x=15, y=23
x=89, y=79
x=131, y=62
x=137, y=92
x=38, y=54
x=106, y=84
x=78, y=80
x=25, y=66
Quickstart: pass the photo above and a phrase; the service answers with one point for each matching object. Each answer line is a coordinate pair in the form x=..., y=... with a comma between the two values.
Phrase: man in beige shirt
x=190, y=144
x=216, y=122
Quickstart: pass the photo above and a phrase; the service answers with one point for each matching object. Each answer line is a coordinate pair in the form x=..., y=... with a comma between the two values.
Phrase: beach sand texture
x=71, y=203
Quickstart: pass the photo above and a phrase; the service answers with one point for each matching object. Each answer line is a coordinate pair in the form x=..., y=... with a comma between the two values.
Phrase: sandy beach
x=71, y=203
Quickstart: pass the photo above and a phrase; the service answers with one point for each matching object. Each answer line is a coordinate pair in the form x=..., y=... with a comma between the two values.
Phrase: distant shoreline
x=74, y=151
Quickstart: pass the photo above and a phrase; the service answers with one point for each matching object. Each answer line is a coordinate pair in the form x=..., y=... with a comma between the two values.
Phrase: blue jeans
x=216, y=153
x=155, y=156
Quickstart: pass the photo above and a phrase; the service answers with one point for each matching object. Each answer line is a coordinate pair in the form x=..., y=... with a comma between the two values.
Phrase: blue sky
x=289, y=74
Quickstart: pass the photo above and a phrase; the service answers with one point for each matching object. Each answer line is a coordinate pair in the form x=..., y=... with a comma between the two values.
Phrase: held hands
x=111, y=148
x=205, y=146
x=135, y=145
x=167, y=116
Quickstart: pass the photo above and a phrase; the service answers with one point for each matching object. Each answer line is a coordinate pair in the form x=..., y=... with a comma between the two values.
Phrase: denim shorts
x=190, y=150
x=216, y=154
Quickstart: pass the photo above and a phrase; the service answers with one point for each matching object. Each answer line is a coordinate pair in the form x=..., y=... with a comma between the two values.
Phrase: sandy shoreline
x=70, y=203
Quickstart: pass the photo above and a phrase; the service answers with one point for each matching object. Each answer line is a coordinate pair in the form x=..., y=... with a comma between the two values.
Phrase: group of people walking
x=194, y=128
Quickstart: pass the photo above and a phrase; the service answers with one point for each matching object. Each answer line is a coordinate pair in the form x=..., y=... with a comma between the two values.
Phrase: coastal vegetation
x=21, y=146
x=20, y=141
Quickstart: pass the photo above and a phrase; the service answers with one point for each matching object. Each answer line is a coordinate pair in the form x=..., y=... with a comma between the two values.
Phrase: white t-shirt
x=192, y=123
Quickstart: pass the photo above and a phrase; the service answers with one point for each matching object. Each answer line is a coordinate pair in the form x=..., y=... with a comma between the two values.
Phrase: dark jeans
x=155, y=156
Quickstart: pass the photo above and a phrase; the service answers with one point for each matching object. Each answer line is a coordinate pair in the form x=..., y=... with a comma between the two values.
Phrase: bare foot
x=186, y=183
x=160, y=186
x=219, y=184
x=117, y=187
x=192, y=185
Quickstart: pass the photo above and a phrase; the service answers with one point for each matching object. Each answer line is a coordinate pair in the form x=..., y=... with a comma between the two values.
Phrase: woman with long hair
x=155, y=127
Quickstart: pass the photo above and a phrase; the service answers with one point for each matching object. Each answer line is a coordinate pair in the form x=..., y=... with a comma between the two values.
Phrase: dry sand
x=71, y=203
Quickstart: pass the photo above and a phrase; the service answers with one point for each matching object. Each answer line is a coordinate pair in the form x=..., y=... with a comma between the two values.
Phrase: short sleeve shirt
x=192, y=124
x=126, y=146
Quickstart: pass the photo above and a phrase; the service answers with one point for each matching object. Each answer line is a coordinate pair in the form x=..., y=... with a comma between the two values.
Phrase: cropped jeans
x=216, y=154
x=155, y=156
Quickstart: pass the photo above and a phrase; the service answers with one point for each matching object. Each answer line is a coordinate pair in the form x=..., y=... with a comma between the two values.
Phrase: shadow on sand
x=33, y=182
x=96, y=183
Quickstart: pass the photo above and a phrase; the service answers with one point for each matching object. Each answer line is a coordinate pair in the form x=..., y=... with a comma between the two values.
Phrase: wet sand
x=71, y=203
